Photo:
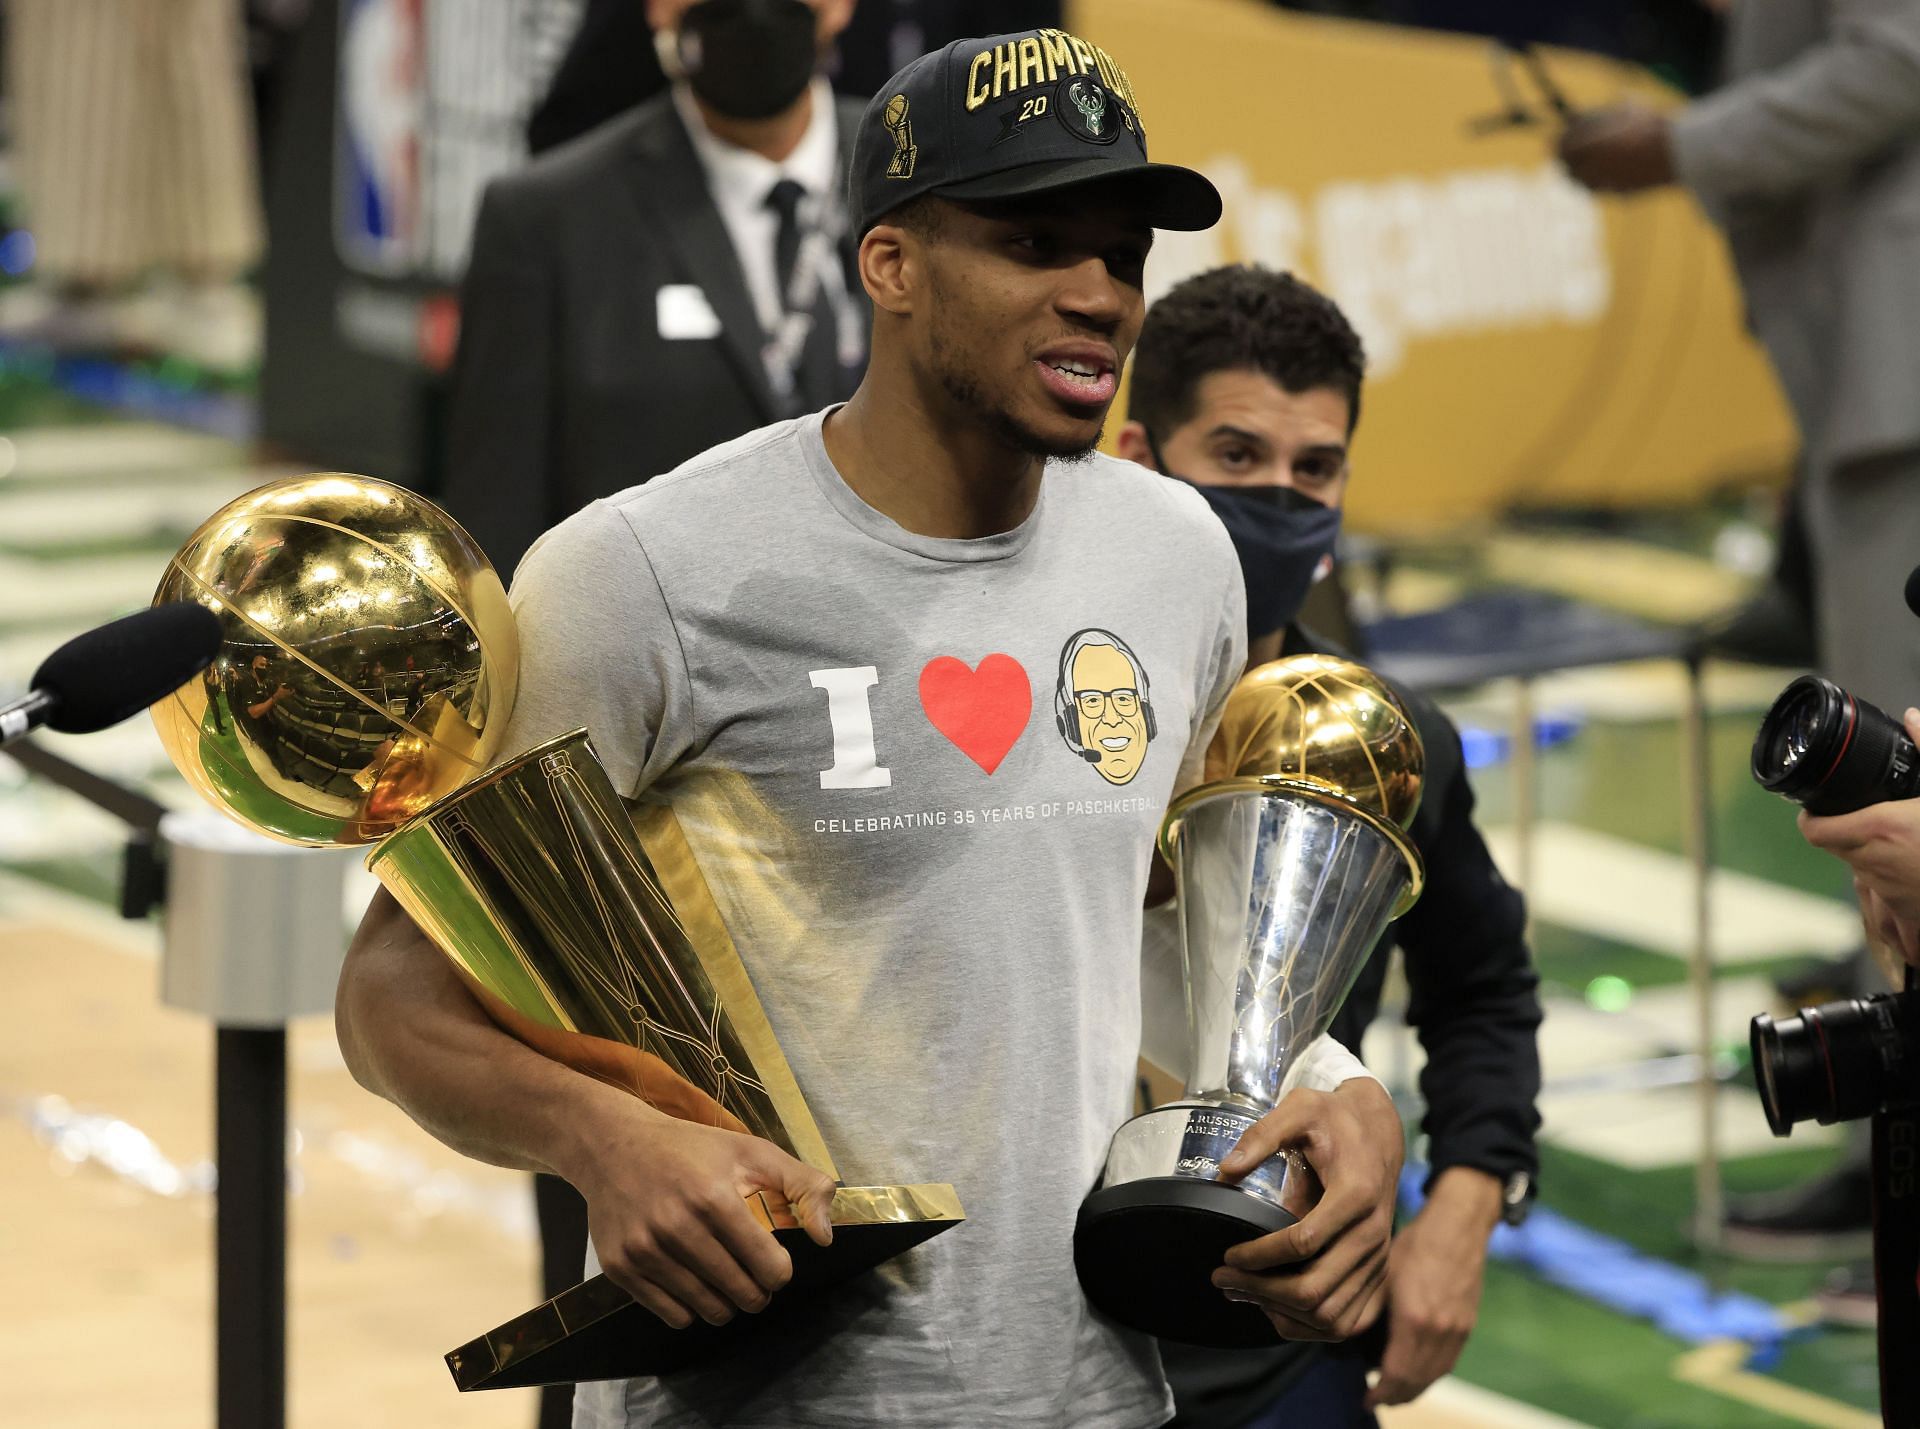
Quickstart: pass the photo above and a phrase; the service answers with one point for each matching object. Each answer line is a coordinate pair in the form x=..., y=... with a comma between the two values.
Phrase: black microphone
x=1913, y=591
x=115, y=671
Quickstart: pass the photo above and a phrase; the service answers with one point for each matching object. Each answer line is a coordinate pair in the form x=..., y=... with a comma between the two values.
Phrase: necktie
x=785, y=199
x=816, y=378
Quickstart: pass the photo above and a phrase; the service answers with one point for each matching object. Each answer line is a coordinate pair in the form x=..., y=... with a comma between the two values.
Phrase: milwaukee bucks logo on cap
x=1088, y=110
x=905, y=151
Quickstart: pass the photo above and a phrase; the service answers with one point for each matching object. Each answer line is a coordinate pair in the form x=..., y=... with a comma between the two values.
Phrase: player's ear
x=1132, y=445
x=892, y=267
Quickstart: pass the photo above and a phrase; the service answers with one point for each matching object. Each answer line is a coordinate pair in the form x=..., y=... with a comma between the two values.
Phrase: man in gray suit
x=663, y=283
x=1809, y=159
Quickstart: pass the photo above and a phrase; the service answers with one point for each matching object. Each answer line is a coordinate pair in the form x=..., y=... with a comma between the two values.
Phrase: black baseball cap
x=1013, y=116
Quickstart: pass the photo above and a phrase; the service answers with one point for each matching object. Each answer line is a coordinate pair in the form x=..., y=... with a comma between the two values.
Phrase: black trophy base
x=596, y=1331
x=1146, y=1251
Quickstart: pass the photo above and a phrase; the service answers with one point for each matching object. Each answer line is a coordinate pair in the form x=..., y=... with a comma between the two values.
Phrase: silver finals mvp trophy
x=1291, y=858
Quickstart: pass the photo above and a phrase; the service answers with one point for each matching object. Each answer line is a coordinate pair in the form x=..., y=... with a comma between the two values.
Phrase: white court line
x=1641, y=692
x=1642, y=896
x=1660, y=1126
x=1471, y=1404
x=1659, y=1022
x=27, y=900
x=79, y=592
x=45, y=519
x=114, y=447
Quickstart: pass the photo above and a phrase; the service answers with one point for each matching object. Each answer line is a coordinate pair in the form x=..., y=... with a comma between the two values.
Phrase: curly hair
x=1241, y=317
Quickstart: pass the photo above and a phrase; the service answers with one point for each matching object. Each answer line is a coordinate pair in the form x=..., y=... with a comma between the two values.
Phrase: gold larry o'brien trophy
x=365, y=679
x=1290, y=859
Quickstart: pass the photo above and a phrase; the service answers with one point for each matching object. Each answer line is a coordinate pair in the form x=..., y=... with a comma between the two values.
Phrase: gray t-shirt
x=922, y=778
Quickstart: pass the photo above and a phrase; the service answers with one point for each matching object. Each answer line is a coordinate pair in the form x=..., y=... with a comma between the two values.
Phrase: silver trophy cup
x=1290, y=860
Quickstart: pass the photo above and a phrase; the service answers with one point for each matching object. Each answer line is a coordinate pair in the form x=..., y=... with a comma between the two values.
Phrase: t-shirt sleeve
x=598, y=649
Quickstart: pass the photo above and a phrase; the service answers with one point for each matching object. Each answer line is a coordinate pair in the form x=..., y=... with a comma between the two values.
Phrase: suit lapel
x=670, y=188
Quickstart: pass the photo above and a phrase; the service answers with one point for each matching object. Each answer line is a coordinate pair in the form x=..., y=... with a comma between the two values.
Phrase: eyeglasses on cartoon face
x=1094, y=703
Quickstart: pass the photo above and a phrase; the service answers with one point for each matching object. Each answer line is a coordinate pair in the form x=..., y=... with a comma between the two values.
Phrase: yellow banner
x=1528, y=343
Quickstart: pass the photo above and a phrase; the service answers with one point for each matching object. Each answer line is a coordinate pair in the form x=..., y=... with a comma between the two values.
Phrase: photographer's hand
x=1881, y=844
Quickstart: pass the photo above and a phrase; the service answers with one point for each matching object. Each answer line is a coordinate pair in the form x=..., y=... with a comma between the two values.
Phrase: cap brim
x=1165, y=195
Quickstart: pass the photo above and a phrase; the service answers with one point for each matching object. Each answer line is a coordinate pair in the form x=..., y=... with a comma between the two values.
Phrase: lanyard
x=817, y=272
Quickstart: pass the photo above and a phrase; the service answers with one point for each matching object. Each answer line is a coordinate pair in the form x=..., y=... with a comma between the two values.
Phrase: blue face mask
x=1281, y=536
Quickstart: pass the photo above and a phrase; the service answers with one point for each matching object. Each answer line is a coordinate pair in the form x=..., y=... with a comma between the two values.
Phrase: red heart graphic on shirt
x=983, y=711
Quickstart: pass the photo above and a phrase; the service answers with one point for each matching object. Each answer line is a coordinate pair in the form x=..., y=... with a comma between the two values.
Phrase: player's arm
x=1841, y=103
x=669, y=1214
x=665, y=1198
x=1474, y=1000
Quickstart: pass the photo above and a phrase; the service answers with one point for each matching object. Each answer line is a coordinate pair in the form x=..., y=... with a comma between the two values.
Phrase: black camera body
x=1832, y=754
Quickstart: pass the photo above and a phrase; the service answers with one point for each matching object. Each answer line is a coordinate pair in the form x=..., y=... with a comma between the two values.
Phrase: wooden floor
x=396, y=1247
x=397, y=1251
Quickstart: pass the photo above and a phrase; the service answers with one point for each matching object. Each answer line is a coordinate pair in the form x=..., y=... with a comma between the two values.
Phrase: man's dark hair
x=1241, y=318
x=925, y=216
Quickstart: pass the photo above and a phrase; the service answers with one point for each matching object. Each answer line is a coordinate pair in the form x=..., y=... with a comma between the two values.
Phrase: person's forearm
x=412, y=1033
x=1467, y=1200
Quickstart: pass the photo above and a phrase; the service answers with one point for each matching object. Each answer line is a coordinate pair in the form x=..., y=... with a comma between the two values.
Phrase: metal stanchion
x=1525, y=792
x=253, y=937
x=1707, y=1202
x=250, y=1233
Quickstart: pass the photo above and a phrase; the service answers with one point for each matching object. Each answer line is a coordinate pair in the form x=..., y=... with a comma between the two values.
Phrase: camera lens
x=1832, y=753
x=1838, y=1061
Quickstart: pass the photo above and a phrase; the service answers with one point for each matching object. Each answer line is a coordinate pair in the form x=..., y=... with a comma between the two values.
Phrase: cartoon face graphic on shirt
x=1102, y=706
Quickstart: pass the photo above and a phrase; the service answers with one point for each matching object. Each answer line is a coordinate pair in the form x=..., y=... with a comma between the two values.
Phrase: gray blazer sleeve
x=1836, y=105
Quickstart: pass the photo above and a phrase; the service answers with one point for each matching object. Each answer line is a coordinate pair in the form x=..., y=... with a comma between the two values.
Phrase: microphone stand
x=250, y=1135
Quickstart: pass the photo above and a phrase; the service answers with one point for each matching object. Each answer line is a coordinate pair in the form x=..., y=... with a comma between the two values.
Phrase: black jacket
x=564, y=390
x=1474, y=1000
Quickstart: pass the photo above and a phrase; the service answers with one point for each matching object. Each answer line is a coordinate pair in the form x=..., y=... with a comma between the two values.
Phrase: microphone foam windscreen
x=1913, y=591
x=118, y=669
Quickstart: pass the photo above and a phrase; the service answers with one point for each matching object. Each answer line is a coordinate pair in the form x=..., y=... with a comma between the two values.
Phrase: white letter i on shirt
x=855, y=763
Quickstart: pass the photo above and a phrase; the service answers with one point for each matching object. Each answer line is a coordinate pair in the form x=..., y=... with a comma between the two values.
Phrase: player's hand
x=667, y=1210
x=1321, y=1278
x=1434, y=1275
x=1881, y=844
x=1621, y=149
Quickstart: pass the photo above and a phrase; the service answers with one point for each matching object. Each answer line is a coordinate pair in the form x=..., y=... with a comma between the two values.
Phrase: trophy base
x=1147, y=1243
x=1145, y=1252
x=596, y=1330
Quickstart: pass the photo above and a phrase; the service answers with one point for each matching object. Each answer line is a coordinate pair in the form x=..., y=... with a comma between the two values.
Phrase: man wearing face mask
x=1246, y=384
x=675, y=277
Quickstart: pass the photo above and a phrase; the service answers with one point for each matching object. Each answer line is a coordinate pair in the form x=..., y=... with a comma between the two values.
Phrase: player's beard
x=963, y=388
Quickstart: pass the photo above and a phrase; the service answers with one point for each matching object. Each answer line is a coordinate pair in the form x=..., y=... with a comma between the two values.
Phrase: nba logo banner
x=379, y=208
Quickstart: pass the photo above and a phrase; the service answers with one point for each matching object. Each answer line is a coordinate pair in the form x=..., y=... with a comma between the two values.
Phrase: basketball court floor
x=399, y=1249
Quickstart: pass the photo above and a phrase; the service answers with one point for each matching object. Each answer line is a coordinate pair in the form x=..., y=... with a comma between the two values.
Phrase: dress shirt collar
x=742, y=179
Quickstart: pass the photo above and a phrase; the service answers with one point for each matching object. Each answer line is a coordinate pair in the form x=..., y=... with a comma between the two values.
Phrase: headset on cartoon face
x=1103, y=705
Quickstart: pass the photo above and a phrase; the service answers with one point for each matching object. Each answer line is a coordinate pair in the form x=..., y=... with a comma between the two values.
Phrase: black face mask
x=749, y=59
x=1281, y=536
